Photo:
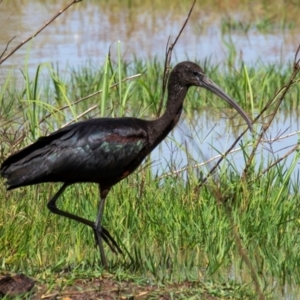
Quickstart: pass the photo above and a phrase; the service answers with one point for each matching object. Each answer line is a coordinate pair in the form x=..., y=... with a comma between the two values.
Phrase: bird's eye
x=195, y=73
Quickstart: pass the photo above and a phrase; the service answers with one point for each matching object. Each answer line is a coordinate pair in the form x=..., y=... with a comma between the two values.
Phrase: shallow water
x=87, y=30
x=209, y=134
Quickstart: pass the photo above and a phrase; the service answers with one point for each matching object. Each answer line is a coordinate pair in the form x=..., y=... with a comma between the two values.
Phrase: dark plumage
x=103, y=150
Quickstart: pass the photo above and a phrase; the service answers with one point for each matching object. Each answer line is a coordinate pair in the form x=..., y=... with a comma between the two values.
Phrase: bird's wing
x=87, y=151
x=98, y=152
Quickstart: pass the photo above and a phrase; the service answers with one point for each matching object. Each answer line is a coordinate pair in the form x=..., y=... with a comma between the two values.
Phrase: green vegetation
x=185, y=234
x=172, y=230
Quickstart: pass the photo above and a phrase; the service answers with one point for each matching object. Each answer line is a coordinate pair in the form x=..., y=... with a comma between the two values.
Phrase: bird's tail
x=17, y=175
x=25, y=167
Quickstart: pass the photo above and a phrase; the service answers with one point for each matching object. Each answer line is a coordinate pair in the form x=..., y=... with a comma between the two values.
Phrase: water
x=207, y=136
x=88, y=30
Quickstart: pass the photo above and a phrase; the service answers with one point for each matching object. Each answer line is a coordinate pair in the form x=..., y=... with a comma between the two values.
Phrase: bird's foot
x=109, y=240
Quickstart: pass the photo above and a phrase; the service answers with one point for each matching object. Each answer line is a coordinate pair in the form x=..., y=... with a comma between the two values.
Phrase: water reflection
x=89, y=28
x=206, y=136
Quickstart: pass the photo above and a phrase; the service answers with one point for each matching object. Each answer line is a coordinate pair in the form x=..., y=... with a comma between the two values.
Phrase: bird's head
x=188, y=74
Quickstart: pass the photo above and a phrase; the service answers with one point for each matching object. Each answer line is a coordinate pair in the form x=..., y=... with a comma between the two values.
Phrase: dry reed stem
x=35, y=34
x=168, y=56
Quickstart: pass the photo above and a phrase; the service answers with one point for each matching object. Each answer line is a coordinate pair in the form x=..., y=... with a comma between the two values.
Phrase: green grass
x=172, y=233
x=250, y=86
x=172, y=230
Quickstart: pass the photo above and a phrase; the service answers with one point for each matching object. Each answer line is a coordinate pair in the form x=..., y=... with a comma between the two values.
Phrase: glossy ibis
x=104, y=150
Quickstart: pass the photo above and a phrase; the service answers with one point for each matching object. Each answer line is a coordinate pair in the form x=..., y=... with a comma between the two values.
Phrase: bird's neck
x=164, y=124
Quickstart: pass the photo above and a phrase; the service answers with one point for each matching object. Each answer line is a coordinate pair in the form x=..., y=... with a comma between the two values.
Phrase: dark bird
x=104, y=150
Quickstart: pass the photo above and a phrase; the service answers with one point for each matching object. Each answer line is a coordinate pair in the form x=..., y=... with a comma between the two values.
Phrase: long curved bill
x=211, y=86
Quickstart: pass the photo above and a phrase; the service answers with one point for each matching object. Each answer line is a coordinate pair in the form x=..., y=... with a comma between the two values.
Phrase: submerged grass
x=172, y=230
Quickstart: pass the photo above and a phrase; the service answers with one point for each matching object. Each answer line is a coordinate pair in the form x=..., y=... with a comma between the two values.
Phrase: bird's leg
x=104, y=232
x=97, y=226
